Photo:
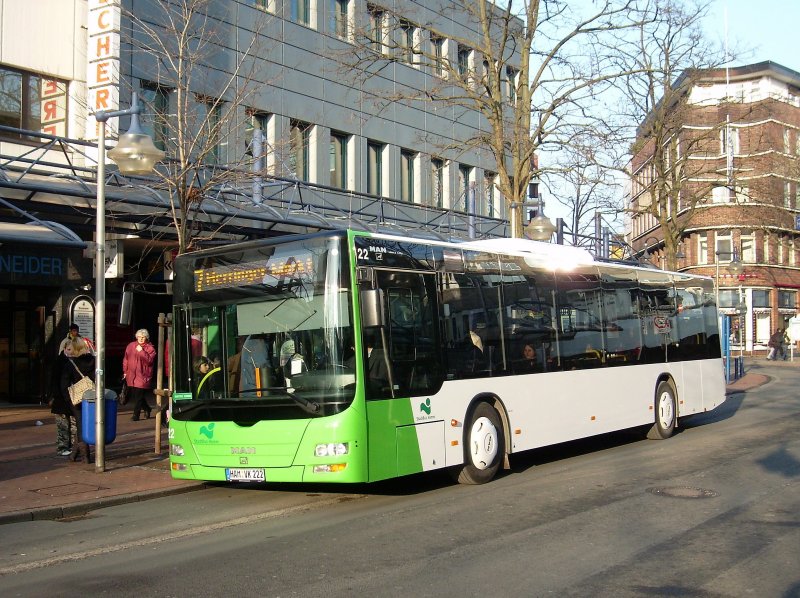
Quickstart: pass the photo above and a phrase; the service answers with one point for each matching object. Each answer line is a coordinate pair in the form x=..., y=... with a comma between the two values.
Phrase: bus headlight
x=176, y=450
x=331, y=449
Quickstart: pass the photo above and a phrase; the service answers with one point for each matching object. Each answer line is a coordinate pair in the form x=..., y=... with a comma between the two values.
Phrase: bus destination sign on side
x=251, y=273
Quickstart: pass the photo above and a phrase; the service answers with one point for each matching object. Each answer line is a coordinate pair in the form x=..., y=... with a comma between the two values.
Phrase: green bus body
x=355, y=357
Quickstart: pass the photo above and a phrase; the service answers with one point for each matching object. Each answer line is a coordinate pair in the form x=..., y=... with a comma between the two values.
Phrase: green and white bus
x=354, y=357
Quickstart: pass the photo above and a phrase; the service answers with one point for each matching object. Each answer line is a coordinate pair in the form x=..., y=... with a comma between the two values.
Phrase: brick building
x=738, y=193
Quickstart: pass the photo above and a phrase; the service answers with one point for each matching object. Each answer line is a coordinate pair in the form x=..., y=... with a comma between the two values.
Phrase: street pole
x=100, y=305
x=135, y=153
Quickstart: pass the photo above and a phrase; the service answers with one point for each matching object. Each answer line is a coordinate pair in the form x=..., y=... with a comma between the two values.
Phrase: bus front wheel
x=666, y=412
x=485, y=446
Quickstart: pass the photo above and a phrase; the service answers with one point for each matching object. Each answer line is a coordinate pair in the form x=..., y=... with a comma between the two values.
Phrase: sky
x=766, y=27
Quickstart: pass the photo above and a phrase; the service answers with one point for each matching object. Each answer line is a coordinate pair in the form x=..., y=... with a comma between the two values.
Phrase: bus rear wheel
x=666, y=412
x=484, y=446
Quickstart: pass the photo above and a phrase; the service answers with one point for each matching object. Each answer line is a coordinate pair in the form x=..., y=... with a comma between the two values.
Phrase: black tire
x=666, y=412
x=484, y=446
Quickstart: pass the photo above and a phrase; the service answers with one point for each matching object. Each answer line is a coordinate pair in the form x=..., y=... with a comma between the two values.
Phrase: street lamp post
x=135, y=153
x=735, y=267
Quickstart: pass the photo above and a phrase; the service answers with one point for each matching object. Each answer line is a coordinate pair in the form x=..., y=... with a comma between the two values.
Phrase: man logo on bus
x=426, y=406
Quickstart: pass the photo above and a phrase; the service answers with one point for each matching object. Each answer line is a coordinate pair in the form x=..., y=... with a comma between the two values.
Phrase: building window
x=437, y=186
x=301, y=11
x=437, y=50
x=787, y=141
x=464, y=176
x=32, y=102
x=464, y=55
x=760, y=298
x=375, y=33
x=374, y=168
x=729, y=141
x=781, y=250
x=702, y=248
x=339, y=24
x=338, y=160
x=212, y=125
x=720, y=195
x=299, y=141
x=748, y=247
x=512, y=77
x=724, y=247
x=787, y=195
x=489, y=190
x=256, y=121
x=742, y=194
x=407, y=175
x=262, y=4
x=787, y=299
x=728, y=297
x=406, y=42
x=156, y=121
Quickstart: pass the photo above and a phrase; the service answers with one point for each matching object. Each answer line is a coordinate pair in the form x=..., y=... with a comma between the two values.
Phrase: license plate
x=244, y=475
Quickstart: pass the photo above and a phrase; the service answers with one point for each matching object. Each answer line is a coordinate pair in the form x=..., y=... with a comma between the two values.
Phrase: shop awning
x=43, y=232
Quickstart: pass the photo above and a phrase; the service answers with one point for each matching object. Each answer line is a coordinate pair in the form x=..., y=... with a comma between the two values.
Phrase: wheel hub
x=483, y=443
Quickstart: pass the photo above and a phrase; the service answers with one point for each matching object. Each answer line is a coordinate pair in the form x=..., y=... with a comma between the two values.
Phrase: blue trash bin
x=88, y=417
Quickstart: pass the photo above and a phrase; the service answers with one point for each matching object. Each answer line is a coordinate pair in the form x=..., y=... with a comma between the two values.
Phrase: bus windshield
x=263, y=333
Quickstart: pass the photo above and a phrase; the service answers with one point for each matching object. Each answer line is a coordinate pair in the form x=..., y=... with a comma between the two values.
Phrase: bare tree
x=585, y=188
x=204, y=68
x=527, y=68
x=666, y=58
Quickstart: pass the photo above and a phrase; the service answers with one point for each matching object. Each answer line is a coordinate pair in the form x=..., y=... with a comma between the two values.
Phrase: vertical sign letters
x=103, y=68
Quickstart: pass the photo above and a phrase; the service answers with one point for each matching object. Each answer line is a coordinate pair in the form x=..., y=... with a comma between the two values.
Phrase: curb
x=82, y=508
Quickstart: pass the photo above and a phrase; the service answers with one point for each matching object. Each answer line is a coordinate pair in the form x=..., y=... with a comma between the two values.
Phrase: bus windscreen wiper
x=306, y=404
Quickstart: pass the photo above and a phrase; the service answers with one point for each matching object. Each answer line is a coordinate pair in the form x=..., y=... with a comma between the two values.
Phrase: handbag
x=77, y=389
x=123, y=393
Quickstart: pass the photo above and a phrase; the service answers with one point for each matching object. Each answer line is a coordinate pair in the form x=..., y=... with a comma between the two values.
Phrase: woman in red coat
x=138, y=369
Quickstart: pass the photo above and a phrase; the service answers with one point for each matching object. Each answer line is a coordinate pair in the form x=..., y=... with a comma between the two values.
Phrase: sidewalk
x=36, y=483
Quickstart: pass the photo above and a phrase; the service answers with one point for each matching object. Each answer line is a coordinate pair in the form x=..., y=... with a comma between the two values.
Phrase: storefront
x=38, y=282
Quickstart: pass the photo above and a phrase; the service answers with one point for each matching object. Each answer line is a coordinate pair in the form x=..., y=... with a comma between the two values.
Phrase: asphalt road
x=714, y=511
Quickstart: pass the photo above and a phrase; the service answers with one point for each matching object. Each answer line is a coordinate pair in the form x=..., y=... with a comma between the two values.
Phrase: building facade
x=748, y=185
x=333, y=143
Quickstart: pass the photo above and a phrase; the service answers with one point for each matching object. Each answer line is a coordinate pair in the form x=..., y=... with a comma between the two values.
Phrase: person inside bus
x=253, y=363
x=529, y=361
x=377, y=368
x=291, y=361
x=206, y=377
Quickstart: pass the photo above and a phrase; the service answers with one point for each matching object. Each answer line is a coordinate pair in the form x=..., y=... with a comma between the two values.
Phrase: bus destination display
x=251, y=273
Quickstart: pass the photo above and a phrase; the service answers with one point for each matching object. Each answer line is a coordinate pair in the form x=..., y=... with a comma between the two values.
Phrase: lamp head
x=735, y=267
x=135, y=152
x=540, y=228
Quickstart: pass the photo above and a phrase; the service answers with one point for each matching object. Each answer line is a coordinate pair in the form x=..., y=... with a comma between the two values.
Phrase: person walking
x=775, y=345
x=138, y=370
x=79, y=363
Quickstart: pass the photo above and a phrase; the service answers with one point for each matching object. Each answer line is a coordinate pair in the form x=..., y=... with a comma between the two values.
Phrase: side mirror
x=126, y=308
x=372, y=308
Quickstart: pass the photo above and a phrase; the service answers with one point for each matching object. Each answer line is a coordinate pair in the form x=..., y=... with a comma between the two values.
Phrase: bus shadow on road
x=421, y=483
x=727, y=410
